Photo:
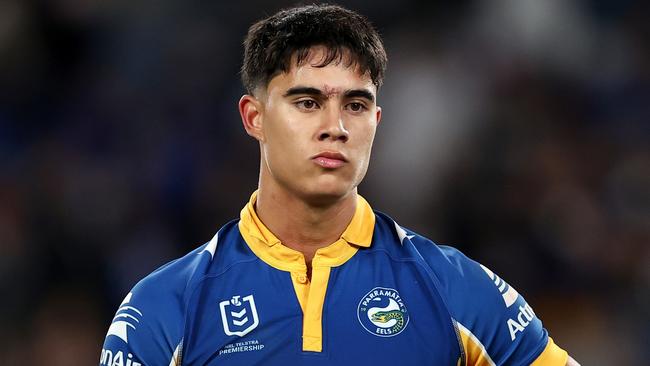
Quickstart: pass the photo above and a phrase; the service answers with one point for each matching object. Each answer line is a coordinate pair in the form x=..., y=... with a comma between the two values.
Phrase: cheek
x=285, y=140
x=366, y=135
x=368, y=139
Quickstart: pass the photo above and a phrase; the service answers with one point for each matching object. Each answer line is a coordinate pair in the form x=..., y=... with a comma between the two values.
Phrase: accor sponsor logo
x=110, y=358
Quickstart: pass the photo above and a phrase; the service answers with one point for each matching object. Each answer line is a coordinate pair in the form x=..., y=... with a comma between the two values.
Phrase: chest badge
x=382, y=312
x=239, y=315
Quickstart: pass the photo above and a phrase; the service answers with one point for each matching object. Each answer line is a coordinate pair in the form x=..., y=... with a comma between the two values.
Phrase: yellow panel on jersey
x=312, y=330
x=552, y=355
x=311, y=295
x=475, y=353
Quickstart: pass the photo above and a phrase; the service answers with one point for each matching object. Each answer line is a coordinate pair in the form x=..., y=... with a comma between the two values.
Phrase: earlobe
x=250, y=110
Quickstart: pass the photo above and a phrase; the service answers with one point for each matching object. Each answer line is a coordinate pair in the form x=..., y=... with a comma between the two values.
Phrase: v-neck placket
x=310, y=293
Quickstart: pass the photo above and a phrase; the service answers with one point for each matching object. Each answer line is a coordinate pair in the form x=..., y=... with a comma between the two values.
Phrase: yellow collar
x=269, y=248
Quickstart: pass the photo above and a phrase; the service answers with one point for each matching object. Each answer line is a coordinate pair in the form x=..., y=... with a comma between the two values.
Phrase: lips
x=330, y=159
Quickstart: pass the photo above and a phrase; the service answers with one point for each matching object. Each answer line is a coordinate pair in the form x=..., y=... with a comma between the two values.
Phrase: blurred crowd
x=515, y=130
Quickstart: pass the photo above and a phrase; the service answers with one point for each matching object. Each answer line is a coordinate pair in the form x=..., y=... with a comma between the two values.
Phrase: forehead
x=335, y=77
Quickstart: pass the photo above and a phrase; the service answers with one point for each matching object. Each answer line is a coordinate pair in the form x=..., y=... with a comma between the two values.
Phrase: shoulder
x=401, y=242
x=174, y=280
x=459, y=279
x=148, y=326
x=168, y=284
x=494, y=322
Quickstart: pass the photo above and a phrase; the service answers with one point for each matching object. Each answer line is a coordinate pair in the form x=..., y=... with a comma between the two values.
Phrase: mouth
x=330, y=159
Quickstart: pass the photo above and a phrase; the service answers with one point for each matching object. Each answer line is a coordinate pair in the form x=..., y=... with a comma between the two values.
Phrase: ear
x=378, y=115
x=250, y=110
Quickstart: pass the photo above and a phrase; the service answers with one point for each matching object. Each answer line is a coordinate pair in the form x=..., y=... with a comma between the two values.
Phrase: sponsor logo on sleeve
x=508, y=292
x=110, y=358
x=519, y=323
x=127, y=317
x=382, y=312
x=525, y=315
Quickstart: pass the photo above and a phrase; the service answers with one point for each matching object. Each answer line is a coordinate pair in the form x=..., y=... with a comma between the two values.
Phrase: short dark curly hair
x=272, y=42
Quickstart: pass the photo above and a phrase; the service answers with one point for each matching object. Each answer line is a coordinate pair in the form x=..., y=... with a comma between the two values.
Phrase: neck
x=301, y=225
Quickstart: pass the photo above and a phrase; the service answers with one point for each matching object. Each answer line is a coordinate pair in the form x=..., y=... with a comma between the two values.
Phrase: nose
x=333, y=127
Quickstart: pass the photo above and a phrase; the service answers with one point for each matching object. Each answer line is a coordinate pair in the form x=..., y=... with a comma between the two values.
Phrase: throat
x=308, y=253
x=303, y=227
x=308, y=269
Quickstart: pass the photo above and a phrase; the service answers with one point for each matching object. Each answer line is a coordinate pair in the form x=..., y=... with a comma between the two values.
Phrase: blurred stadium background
x=517, y=131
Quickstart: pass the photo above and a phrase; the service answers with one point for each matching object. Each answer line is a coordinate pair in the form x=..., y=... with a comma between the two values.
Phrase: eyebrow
x=352, y=93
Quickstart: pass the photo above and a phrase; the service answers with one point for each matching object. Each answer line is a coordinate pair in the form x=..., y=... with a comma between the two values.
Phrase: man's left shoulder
x=493, y=320
x=408, y=244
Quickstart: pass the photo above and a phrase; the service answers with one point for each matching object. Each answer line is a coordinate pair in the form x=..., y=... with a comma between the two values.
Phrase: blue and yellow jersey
x=380, y=295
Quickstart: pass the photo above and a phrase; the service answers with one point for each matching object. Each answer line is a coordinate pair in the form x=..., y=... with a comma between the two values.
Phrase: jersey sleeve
x=148, y=326
x=495, y=324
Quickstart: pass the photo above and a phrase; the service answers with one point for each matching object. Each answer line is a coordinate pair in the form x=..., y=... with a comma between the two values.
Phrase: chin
x=327, y=191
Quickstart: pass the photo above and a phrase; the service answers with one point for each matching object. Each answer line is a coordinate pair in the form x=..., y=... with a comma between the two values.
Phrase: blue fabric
x=202, y=305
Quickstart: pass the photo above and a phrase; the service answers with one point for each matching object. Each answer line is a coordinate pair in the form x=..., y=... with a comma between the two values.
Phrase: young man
x=309, y=274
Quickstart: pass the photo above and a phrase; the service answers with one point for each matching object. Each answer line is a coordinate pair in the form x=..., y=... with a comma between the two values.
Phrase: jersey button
x=302, y=278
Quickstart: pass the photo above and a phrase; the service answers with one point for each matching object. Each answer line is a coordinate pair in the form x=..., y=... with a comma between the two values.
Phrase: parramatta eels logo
x=382, y=312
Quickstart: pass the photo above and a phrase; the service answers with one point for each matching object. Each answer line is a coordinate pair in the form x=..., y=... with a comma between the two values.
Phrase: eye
x=307, y=104
x=356, y=107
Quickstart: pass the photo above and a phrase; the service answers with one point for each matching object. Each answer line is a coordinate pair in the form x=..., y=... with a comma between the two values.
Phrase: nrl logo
x=239, y=316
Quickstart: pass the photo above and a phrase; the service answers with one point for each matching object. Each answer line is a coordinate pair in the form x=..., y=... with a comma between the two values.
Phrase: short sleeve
x=495, y=324
x=552, y=355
